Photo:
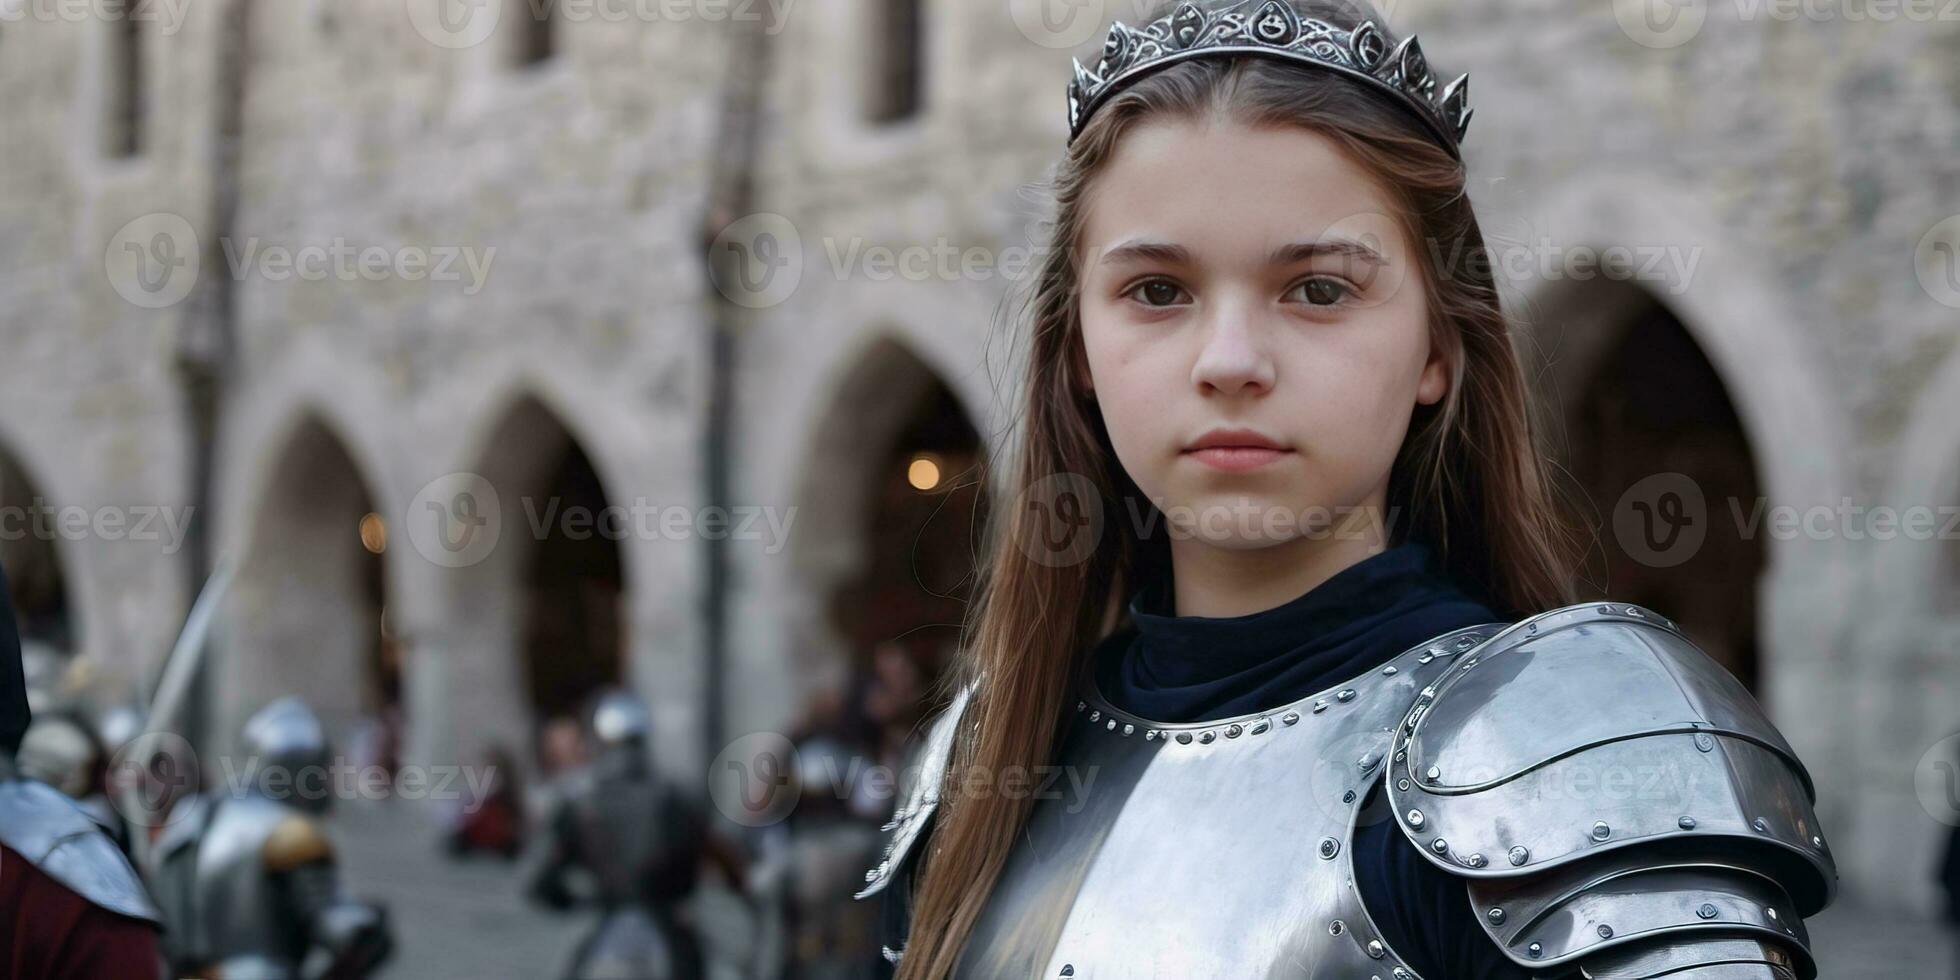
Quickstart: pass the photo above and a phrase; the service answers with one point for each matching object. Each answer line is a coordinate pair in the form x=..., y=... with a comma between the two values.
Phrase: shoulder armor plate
x=1597, y=736
x=910, y=819
x=57, y=836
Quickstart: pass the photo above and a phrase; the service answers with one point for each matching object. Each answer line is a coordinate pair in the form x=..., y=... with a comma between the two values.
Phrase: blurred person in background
x=248, y=880
x=71, y=907
x=632, y=843
x=494, y=823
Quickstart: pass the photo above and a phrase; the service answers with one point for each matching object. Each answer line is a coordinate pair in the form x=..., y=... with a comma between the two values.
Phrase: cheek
x=1131, y=379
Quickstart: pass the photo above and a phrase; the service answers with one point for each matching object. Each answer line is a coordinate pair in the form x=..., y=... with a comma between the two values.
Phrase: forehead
x=1222, y=187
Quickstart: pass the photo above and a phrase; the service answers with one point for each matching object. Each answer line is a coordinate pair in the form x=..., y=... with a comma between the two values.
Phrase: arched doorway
x=36, y=582
x=1666, y=473
x=311, y=599
x=548, y=600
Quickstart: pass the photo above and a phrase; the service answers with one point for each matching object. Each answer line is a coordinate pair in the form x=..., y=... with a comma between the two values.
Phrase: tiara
x=1274, y=30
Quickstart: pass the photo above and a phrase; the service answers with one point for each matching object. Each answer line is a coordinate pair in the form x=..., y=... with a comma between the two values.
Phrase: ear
x=1435, y=380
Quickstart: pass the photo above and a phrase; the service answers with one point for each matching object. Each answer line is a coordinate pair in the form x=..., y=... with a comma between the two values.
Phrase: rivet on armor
x=1474, y=860
x=1346, y=695
x=1466, y=643
x=1707, y=910
x=1496, y=916
x=1635, y=612
x=1347, y=797
x=1440, y=846
x=1402, y=784
x=1319, y=706
x=1207, y=737
x=1403, y=974
x=1150, y=734
x=1095, y=715
x=1425, y=658
x=1600, y=831
x=1817, y=842
x=1367, y=762
x=1606, y=609
x=1428, y=694
x=1761, y=825
x=1770, y=912
x=1128, y=729
x=1535, y=950
x=1605, y=931
x=1291, y=717
x=1259, y=727
x=1234, y=730
x=1184, y=738
x=1401, y=756
x=1111, y=726
x=1519, y=855
x=871, y=875
x=1435, y=773
x=1415, y=818
x=1705, y=742
x=1336, y=927
x=1376, y=950
x=1389, y=671
x=1079, y=705
x=1687, y=823
x=1531, y=627
x=1329, y=847
x=1068, y=969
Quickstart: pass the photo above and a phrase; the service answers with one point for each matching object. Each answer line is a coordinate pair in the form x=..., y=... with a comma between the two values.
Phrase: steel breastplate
x=1212, y=849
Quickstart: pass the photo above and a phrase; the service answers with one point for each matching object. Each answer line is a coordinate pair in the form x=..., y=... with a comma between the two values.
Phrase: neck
x=1214, y=581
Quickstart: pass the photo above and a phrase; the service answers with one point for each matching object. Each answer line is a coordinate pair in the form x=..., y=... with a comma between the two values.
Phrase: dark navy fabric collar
x=1174, y=668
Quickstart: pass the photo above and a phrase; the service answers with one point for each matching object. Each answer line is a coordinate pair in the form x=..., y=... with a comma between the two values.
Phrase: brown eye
x=1158, y=292
x=1322, y=292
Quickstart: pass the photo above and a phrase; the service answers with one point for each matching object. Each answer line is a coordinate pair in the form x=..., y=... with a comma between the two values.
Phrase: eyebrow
x=1290, y=254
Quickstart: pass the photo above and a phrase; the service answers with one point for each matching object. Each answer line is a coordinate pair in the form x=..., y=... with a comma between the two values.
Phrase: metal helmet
x=118, y=725
x=286, y=738
x=59, y=751
x=619, y=717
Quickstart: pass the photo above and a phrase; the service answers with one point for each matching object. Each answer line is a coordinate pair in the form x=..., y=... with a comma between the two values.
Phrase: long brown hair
x=1468, y=481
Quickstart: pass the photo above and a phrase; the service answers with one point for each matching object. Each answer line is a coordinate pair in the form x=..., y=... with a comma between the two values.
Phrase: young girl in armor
x=1275, y=672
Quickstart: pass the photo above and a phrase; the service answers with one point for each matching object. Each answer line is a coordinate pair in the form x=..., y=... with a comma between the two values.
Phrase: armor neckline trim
x=1444, y=645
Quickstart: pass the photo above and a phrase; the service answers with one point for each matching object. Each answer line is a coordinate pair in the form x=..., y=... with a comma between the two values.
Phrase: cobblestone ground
x=468, y=920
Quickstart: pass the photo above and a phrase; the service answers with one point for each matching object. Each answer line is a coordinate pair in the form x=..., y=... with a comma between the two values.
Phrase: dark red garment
x=50, y=933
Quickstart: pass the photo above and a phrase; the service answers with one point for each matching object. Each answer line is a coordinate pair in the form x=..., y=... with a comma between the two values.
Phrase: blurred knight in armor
x=636, y=843
x=248, y=881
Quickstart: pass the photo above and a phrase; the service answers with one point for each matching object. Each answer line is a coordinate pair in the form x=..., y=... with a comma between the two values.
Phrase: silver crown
x=1273, y=30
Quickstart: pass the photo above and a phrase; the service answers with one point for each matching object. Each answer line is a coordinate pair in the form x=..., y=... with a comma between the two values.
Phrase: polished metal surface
x=921, y=797
x=620, y=716
x=288, y=745
x=1273, y=29
x=1216, y=849
x=1615, y=803
x=1602, y=783
x=54, y=834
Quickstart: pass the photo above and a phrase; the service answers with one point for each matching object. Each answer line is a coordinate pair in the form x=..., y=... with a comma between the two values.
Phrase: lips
x=1236, y=450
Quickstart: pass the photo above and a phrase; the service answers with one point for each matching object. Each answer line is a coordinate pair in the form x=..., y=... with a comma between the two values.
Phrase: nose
x=1234, y=357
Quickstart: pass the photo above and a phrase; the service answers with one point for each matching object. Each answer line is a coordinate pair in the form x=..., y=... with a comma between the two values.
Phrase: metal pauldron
x=1604, y=785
